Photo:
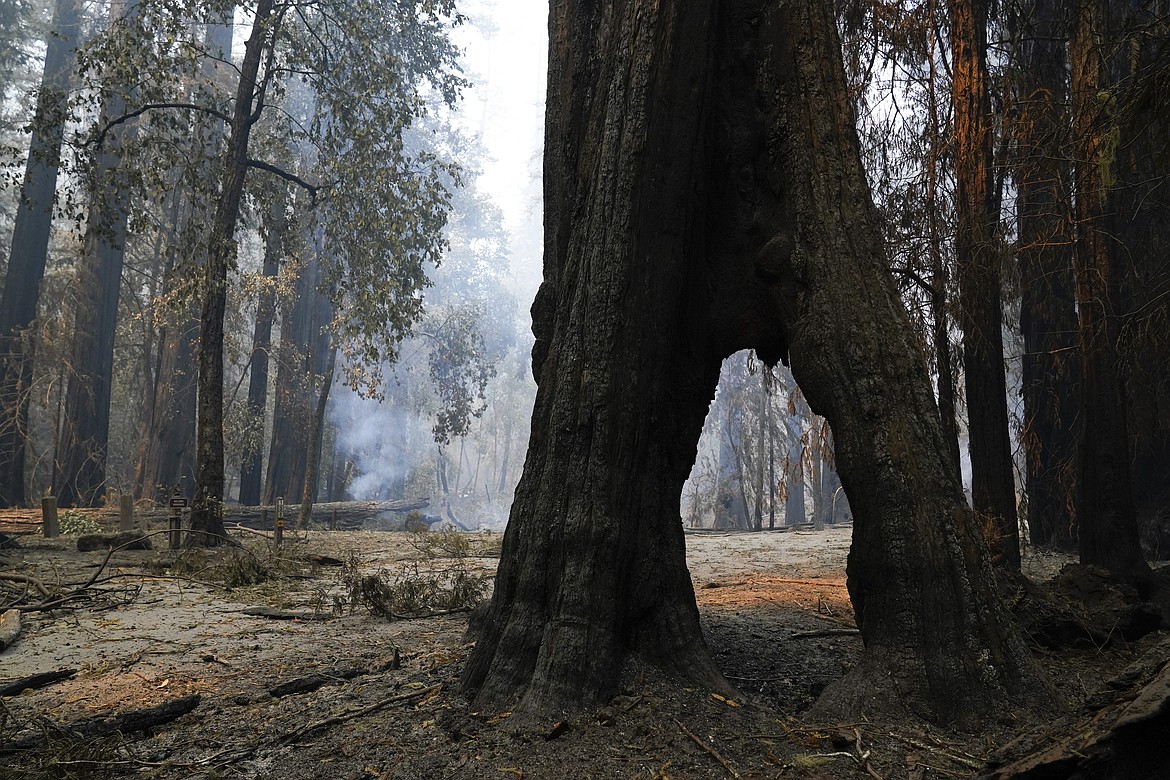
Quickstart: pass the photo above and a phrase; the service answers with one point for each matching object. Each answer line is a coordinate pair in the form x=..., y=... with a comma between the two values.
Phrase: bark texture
x=703, y=194
x=993, y=491
x=1048, y=319
x=1107, y=516
x=207, y=509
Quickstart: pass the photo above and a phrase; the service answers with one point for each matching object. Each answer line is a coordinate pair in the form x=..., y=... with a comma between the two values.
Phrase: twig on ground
x=709, y=749
x=824, y=632
x=295, y=736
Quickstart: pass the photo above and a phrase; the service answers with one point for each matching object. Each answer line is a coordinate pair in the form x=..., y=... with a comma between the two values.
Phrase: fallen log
x=124, y=723
x=35, y=681
x=1124, y=740
x=127, y=540
x=9, y=628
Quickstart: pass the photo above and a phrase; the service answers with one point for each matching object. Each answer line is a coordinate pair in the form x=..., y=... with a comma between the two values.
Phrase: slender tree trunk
x=30, y=247
x=316, y=433
x=1106, y=516
x=1047, y=305
x=980, y=305
x=207, y=511
x=704, y=193
x=252, y=468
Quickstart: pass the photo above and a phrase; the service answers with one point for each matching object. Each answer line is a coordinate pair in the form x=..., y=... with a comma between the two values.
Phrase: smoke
x=382, y=440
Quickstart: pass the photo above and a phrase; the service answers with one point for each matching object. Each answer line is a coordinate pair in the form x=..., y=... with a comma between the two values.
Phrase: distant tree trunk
x=1106, y=515
x=29, y=250
x=81, y=460
x=795, y=512
x=301, y=359
x=252, y=468
x=168, y=452
x=1047, y=302
x=704, y=193
x=207, y=511
x=316, y=433
x=980, y=306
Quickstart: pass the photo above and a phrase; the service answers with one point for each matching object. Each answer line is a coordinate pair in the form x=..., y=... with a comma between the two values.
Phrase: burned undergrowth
x=340, y=656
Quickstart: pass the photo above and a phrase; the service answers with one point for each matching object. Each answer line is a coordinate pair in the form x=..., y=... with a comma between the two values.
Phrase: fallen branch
x=825, y=632
x=710, y=750
x=35, y=681
x=295, y=736
x=27, y=579
x=9, y=628
x=126, y=723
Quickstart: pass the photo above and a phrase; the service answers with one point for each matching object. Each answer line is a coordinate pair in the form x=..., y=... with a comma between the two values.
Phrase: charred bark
x=1107, y=517
x=704, y=194
x=980, y=301
x=1047, y=306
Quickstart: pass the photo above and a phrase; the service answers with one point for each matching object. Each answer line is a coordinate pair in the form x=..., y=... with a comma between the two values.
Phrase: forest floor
x=294, y=680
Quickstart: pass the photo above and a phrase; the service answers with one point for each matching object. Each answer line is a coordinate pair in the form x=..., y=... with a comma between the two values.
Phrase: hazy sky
x=506, y=46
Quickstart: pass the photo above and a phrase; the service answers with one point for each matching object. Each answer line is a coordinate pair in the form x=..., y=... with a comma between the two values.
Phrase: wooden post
x=176, y=528
x=333, y=519
x=278, y=528
x=49, y=517
x=125, y=512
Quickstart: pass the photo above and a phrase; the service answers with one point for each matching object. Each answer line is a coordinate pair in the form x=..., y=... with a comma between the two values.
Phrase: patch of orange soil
x=824, y=595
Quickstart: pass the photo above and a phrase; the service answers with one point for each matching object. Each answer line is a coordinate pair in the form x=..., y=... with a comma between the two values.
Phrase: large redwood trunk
x=1048, y=319
x=29, y=250
x=703, y=194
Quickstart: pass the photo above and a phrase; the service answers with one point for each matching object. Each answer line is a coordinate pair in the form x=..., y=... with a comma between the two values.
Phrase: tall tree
x=1047, y=306
x=980, y=300
x=80, y=474
x=1107, y=519
x=166, y=460
x=30, y=246
x=207, y=509
x=252, y=467
x=703, y=194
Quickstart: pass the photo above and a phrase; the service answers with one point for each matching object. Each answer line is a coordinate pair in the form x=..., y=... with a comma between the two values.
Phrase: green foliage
x=71, y=522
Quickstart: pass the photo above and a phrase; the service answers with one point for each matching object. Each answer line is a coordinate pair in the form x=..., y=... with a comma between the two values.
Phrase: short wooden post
x=49, y=517
x=278, y=529
x=175, y=537
x=333, y=519
x=125, y=512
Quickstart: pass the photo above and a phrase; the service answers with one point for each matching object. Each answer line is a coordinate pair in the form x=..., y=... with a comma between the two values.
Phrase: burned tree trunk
x=703, y=194
x=980, y=300
x=1048, y=319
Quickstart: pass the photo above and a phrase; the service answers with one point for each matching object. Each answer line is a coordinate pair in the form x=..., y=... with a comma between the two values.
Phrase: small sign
x=178, y=502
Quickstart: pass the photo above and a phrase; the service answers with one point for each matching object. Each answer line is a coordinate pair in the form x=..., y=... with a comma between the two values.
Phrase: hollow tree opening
x=703, y=194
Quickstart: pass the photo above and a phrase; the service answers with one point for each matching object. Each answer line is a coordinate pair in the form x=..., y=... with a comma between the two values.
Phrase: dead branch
x=825, y=632
x=709, y=749
x=35, y=681
x=295, y=736
x=125, y=723
x=27, y=579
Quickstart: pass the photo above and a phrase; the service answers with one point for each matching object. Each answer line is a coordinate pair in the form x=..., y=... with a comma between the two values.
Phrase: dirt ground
x=375, y=697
